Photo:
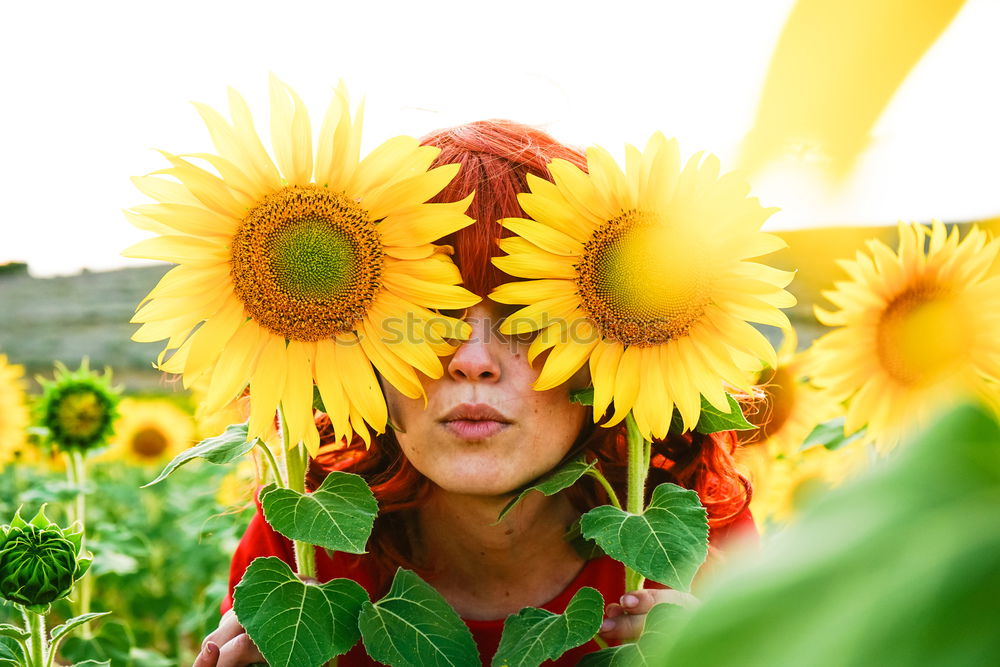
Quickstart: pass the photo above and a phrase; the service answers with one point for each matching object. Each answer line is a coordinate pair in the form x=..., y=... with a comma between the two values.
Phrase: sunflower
x=916, y=328
x=785, y=482
x=309, y=268
x=14, y=417
x=78, y=408
x=149, y=431
x=646, y=273
x=792, y=407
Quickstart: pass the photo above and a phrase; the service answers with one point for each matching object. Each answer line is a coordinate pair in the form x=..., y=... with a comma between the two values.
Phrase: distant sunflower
x=916, y=328
x=149, y=432
x=78, y=408
x=14, y=417
x=792, y=407
x=289, y=270
x=647, y=275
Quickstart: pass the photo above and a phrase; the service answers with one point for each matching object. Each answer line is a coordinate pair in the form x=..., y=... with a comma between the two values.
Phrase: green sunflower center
x=149, y=443
x=640, y=280
x=81, y=415
x=919, y=337
x=306, y=263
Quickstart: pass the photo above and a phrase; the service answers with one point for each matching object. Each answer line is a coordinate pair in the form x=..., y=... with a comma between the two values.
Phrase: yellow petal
x=531, y=291
x=536, y=265
x=403, y=195
x=267, y=383
x=178, y=249
x=296, y=398
x=291, y=134
x=545, y=237
x=357, y=373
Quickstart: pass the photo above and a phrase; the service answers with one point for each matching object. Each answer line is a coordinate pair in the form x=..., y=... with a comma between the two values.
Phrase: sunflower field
x=850, y=374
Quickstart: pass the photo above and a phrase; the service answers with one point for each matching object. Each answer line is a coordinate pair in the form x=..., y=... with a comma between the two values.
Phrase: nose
x=475, y=360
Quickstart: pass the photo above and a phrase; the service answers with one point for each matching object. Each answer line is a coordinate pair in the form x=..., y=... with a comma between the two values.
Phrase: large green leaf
x=339, y=515
x=666, y=543
x=13, y=631
x=295, y=624
x=553, y=483
x=413, y=626
x=532, y=636
x=225, y=448
x=648, y=650
x=60, y=630
x=900, y=566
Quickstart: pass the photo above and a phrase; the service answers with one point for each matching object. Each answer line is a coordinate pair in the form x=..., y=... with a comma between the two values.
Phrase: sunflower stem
x=639, y=451
x=612, y=496
x=273, y=463
x=38, y=642
x=85, y=584
x=296, y=464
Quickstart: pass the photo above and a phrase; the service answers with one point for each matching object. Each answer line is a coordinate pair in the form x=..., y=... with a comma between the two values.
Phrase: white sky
x=92, y=87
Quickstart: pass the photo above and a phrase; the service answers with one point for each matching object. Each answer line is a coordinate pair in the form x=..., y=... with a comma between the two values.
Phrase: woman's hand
x=624, y=620
x=228, y=646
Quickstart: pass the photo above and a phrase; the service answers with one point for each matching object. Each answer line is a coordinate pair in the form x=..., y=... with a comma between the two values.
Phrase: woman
x=443, y=474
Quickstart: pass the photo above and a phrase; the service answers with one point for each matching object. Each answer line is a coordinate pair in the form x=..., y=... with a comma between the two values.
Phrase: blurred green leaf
x=830, y=434
x=898, y=567
x=11, y=653
x=553, y=483
x=225, y=448
x=295, y=624
x=60, y=631
x=339, y=515
x=532, y=636
x=413, y=626
x=93, y=663
x=582, y=396
x=13, y=631
x=667, y=543
x=112, y=643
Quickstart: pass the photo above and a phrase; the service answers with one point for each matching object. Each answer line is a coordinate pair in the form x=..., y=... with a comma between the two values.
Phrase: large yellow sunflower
x=14, y=417
x=916, y=328
x=305, y=269
x=647, y=274
x=149, y=432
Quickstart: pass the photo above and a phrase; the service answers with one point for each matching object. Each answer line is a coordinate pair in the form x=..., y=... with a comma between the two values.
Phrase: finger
x=229, y=627
x=239, y=652
x=623, y=627
x=208, y=656
x=614, y=610
x=640, y=601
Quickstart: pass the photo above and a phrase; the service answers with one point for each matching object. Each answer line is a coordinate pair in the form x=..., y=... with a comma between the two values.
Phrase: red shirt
x=604, y=574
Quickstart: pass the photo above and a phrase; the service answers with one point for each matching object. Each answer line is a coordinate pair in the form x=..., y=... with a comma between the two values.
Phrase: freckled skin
x=491, y=369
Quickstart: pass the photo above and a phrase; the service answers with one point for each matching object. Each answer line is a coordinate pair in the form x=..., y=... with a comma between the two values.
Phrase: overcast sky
x=90, y=89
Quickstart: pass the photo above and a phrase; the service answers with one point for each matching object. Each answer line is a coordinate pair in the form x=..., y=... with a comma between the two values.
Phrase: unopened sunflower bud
x=39, y=561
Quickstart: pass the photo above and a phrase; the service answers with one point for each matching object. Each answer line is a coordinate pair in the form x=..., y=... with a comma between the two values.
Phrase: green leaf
x=112, y=644
x=93, y=663
x=414, y=626
x=11, y=652
x=532, y=636
x=899, y=566
x=582, y=396
x=553, y=483
x=14, y=632
x=294, y=623
x=830, y=434
x=647, y=651
x=225, y=448
x=61, y=630
x=339, y=515
x=666, y=543
x=713, y=420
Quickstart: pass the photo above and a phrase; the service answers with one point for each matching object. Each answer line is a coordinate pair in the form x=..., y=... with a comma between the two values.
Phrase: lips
x=474, y=421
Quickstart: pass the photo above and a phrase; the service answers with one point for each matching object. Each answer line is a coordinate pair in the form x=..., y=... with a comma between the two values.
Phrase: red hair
x=496, y=157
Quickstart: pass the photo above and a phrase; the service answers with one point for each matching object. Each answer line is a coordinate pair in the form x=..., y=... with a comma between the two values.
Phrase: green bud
x=39, y=561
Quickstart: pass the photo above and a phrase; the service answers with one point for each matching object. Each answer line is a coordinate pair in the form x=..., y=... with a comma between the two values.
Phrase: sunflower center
x=149, y=443
x=306, y=263
x=919, y=337
x=639, y=281
x=80, y=415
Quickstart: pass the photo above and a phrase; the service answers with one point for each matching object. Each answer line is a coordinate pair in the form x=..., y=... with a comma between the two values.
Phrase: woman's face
x=485, y=431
